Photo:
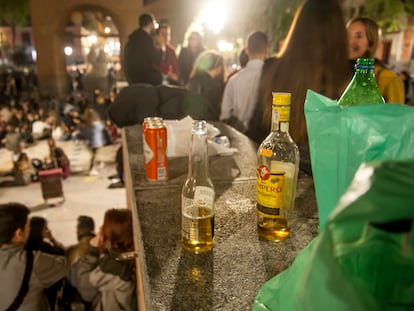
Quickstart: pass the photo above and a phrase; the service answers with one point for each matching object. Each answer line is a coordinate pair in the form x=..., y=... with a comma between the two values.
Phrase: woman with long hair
x=313, y=56
x=188, y=55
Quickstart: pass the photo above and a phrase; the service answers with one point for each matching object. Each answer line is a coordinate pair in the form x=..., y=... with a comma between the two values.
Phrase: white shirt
x=240, y=94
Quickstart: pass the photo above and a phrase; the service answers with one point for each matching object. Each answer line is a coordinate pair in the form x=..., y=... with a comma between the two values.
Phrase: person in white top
x=240, y=93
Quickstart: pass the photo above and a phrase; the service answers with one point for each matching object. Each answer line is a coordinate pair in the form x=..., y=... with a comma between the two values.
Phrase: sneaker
x=118, y=184
x=113, y=177
x=93, y=173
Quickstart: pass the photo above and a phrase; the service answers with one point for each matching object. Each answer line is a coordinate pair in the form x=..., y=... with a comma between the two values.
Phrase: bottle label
x=284, y=113
x=275, y=188
x=204, y=196
x=270, y=187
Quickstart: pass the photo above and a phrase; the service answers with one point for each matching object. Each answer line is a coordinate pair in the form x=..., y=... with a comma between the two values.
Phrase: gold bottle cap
x=281, y=98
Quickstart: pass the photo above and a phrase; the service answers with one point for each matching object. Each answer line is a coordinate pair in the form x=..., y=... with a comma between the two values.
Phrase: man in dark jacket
x=140, y=57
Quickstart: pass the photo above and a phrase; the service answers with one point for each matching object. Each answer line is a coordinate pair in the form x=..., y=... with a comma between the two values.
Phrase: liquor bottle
x=363, y=88
x=277, y=174
x=197, y=205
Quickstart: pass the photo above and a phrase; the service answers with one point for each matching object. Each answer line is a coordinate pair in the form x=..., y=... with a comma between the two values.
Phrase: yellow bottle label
x=284, y=113
x=270, y=186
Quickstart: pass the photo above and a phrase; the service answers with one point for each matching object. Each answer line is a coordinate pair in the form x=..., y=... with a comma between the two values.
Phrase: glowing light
x=214, y=15
x=68, y=50
x=92, y=39
x=225, y=46
x=34, y=55
x=107, y=30
x=107, y=49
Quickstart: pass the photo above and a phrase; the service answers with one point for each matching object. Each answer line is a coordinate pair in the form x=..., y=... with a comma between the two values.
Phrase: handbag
x=24, y=287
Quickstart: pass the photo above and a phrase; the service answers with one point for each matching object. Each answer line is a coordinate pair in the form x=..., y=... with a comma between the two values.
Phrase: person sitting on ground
x=85, y=231
x=58, y=158
x=41, y=239
x=108, y=269
x=43, y=270
x=21, y=174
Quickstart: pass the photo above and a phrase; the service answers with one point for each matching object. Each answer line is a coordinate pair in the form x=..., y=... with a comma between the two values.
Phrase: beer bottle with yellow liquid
x=277, y=174
x=197, y=204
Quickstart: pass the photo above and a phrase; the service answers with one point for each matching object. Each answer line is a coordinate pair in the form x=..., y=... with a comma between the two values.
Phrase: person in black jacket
x=140, y=58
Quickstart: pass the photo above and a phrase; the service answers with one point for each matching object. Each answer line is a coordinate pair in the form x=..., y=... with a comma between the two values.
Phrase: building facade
x=50, y=18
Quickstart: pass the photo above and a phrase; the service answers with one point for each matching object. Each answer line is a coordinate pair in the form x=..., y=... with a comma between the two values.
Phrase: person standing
x=206, y=86
x=188, y=55
x=363, y=33
x=310, y=58
x=169, y=62
x=140, y=59
x=240, y=93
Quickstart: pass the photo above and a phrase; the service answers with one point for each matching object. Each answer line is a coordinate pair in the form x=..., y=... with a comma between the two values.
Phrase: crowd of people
x=27, y=118
x=95, y=271
x=244, y=99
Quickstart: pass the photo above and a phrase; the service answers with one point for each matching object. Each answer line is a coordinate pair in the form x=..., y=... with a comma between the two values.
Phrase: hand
x=47, y=234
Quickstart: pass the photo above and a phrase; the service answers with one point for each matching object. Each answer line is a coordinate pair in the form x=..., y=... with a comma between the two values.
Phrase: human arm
x=49, y=268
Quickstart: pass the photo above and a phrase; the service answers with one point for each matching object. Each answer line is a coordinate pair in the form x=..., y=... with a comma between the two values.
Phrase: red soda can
x=155, y=151
x=148, y=120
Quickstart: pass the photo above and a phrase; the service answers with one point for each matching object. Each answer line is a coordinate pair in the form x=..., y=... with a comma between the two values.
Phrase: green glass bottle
x=363, y=89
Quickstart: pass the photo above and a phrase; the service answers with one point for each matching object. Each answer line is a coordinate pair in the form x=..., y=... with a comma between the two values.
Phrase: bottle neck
x=280, y=124
x=365, y=71
x=198, y=157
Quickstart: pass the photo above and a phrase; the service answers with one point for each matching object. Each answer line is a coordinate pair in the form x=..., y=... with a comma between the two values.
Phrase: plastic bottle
x=363, y=88
x=277, y=174
x=197, y=209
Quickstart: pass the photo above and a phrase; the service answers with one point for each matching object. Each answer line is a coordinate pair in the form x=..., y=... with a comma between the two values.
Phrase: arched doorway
x=92, y=49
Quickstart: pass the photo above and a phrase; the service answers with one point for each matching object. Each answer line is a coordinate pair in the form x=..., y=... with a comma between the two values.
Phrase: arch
x=92, y=48
x=48, y=33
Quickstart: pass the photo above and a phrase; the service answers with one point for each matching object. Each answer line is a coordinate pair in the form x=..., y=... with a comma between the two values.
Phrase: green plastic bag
x=353, y=264
x=341, y=138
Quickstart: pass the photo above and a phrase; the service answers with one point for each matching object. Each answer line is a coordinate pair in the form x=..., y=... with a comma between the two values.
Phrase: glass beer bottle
x=363, y=88
x=277, y=174
x=197, y=205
